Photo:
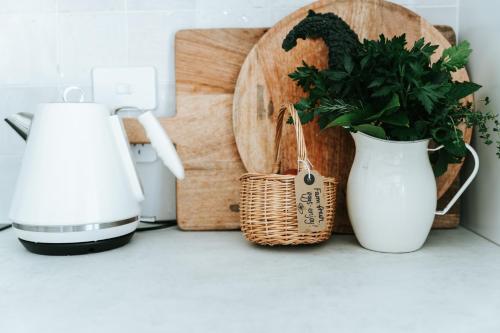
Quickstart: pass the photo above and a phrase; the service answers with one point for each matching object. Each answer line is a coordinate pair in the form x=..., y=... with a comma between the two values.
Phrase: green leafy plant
x=389, y=91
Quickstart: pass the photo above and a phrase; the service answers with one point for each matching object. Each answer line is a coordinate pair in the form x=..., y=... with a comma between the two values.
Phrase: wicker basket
x=268, y=212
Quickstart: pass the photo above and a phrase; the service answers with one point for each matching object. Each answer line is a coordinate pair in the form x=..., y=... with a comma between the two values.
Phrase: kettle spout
x=21, y=123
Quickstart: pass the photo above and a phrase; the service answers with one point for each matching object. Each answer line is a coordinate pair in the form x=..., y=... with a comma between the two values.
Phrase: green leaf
x=418, y=44
x=421, y=127
x=416, y=68
x=364, y=61
x=439, y=161
x=460, y=90
x=345, y=120
x=384, y=91
x=392, y=105
x=428, y=95
x=376, y=83
x=303, y=105
x=456, y=57
x=396, y=119
x=441, y=134
x=306, y=117
x=373, y=130
x=336, y=75
x=348, y=64
x=429, y=49
x=404, y=133
x=456, y=148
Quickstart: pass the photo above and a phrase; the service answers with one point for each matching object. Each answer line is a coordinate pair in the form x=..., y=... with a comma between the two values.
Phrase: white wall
x=46, y=45
x=480, y=26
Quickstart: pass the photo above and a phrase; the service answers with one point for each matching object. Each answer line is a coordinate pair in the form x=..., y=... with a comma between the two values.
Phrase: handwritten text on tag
x=310, y=200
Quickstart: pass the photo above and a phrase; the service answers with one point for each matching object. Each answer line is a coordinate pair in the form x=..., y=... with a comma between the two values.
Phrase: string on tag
x=307, y=165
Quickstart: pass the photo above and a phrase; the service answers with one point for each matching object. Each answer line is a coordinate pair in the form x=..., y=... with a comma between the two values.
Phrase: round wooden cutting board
x=263, y=85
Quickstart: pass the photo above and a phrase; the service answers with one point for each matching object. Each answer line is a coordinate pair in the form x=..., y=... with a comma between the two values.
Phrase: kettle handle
x=465, y=184
x=162, y=143
x=124, y=151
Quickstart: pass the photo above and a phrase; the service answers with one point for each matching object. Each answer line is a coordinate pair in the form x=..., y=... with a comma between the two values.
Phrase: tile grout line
x=127, y=31
x=59, y=37
x=127, y=10
x=58, y=47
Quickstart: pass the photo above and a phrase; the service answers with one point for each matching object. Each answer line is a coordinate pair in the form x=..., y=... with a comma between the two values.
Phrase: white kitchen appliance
x=129, y=91
x=78, y=189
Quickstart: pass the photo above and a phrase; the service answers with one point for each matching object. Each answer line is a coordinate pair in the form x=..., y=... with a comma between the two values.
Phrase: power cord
x=5, y=226
x=156, y=225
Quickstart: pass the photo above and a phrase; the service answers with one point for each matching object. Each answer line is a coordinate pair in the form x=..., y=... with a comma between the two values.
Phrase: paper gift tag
x=310, y=201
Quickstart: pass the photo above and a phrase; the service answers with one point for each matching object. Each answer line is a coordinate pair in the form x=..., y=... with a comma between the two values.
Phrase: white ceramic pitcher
x=392, y=195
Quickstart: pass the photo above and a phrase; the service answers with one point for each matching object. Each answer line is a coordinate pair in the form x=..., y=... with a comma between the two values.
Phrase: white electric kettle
x=78, y=190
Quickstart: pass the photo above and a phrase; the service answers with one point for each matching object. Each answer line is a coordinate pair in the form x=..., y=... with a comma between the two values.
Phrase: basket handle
x=301, y=145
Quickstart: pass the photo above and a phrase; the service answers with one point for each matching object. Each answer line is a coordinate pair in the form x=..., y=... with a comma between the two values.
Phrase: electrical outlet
x=119, y=87
x=143, y=153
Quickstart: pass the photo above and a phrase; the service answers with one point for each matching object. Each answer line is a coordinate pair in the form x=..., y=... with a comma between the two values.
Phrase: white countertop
x=173, y=281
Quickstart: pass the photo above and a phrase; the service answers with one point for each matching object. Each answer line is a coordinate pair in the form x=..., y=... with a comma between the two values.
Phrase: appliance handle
x=465, y=184
x=124, y=151
x=162, y=143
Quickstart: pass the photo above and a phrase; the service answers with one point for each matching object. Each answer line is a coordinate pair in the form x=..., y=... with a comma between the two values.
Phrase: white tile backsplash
x=29, y=49
x=166, y=100
x=279, y=13
x=9, y=167
x=439, y=15
x=249, y=4
x=11, y=143
x=33, y=6
x=90, y=39
x=20, y=99
x=90, y=5
x=233, y=18
x=151, y=39
x=50, y=44
x=156, y=5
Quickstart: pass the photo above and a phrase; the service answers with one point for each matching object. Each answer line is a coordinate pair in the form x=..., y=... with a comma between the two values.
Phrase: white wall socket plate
x=143, y=153
x=118, y=87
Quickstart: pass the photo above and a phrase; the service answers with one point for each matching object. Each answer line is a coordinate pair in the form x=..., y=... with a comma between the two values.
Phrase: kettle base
x=65, y=249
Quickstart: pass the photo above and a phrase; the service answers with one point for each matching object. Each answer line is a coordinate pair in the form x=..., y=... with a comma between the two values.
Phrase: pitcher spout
x=21, y=123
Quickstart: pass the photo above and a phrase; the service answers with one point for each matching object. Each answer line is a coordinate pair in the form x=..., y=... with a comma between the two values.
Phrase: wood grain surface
x=263, y=85
x=207, y=63
x=208, y=198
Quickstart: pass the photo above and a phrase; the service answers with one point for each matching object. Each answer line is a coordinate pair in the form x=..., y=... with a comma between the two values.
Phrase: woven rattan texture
x=268, y=212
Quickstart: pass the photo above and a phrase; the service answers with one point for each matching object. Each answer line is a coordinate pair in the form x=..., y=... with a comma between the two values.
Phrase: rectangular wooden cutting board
x=207, y=64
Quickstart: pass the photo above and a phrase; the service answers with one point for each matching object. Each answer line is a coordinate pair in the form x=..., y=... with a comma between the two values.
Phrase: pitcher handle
x=465, y=184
